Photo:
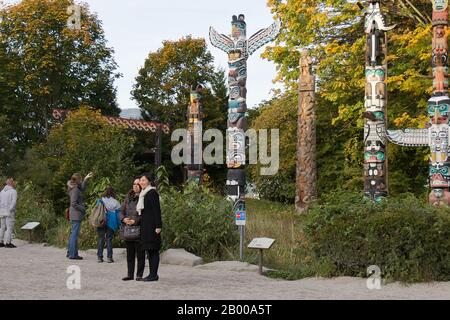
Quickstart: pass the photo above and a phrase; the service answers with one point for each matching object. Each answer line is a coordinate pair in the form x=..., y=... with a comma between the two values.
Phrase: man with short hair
x=8, y=201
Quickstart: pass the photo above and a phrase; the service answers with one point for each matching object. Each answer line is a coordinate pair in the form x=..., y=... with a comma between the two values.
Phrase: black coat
x=150, y=221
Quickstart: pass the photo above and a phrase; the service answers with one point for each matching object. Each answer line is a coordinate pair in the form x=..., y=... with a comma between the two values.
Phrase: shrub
x=31, y=206
x=196, y=219
x=407, y=238
x=84, y=142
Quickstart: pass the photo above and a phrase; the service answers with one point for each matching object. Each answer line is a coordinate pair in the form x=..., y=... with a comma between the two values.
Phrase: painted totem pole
x=375, y=142
x=239, y=49
x=306, y=191
x=436, y=135
x=195, y=130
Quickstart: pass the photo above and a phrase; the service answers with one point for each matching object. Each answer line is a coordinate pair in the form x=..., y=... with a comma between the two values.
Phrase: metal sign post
x=241, y=218
x=261, y=244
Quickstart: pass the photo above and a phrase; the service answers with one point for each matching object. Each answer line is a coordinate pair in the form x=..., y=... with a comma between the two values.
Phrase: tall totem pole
x=239, y=49
x=436, y=135
x=306, y=189
x=375, y=142
x=195, y=130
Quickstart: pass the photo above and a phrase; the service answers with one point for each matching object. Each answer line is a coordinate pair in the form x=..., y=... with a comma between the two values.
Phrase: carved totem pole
x=195, y=130
x=436, y=135
x=375, y=142
x=239, y=49
x=306, y=191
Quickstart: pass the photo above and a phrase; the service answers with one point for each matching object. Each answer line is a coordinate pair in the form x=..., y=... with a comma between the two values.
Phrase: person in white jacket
x=8, y=201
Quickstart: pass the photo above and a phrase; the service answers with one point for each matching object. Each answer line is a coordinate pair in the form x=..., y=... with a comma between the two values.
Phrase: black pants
x=133, y=252
x=153, y=259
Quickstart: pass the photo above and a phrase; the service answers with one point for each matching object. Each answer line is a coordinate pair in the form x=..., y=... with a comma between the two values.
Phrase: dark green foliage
x=197, y=220
x=407, y=238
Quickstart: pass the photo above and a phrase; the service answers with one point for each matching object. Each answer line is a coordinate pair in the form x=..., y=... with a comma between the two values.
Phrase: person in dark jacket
x=76, y=185
x=129, y=216
x=149, y=210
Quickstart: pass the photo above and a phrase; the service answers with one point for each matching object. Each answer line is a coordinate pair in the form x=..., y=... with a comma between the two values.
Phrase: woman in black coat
x=149, y=209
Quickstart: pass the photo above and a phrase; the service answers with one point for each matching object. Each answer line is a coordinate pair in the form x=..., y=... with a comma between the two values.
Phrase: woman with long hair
x=130, y=217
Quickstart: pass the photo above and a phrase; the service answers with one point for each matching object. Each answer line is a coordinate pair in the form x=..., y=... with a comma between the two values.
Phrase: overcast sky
x=136, y=27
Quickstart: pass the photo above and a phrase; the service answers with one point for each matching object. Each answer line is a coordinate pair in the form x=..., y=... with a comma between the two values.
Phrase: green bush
x=31, y=206
x=196, y=219
x=279, y=187
x=407, y=238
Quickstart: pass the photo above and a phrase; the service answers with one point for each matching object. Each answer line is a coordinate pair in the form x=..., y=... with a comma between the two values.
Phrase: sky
x=136, y=27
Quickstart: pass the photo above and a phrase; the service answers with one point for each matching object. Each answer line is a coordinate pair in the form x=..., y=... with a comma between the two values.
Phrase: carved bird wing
x=409, y=137
x=263, y=36
x=220, y=41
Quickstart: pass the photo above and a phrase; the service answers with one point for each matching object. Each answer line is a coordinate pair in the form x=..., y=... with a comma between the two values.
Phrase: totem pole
x=436, y=135
x=306, y=191
x=239, y=49
x=375, y=142
x=195, y=129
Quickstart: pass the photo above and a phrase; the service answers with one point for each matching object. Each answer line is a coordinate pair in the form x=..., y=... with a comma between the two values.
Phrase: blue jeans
x=73, y=239
x=105, y=233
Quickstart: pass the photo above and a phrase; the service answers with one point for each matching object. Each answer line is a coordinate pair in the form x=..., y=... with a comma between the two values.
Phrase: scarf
x=140, y=204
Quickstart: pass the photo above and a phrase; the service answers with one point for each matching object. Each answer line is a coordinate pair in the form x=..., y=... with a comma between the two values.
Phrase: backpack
x=98, y=215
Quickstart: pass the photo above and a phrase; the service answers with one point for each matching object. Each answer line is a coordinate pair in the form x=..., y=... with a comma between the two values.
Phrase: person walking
x=149, y=210
x=129, y=216
x=8, y=201
x=76, y=186
x=106, y=232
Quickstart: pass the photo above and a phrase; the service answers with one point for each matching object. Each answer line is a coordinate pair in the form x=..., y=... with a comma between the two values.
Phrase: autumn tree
x=334, y=31
x=85, y=142
x=44, y=64
x=162, y=88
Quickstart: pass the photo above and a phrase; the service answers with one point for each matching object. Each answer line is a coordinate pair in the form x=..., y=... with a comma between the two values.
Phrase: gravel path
x=34, y=271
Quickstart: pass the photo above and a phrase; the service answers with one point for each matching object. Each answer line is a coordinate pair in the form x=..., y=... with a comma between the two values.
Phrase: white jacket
x=8, y=200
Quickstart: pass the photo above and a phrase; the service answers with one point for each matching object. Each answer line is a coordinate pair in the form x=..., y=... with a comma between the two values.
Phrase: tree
x=334, y=31
x=45, y=65
x=162, y=91
x=162, y=88
x=84, y=142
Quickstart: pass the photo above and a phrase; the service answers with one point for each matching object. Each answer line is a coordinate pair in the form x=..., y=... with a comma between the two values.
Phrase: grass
x=278, y=221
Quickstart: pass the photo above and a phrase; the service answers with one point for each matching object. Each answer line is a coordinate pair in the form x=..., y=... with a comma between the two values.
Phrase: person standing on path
x=129, y=216
x=8, y=201
x=76, y=186
x=149, y=210
x=106, y=232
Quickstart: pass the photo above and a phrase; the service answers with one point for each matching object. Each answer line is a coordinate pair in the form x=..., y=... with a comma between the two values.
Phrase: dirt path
x=33, y=271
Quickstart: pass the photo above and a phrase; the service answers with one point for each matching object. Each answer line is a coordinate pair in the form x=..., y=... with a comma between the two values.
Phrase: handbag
x=130, y=233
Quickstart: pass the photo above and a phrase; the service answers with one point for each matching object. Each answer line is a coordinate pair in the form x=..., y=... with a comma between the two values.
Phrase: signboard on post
x=30, y=226
x=240, y=217
x=261, y=243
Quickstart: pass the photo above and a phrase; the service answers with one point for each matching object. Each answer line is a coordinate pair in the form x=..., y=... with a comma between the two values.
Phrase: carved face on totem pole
x=440, y=175
x=440, y=5
x=439, y=109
